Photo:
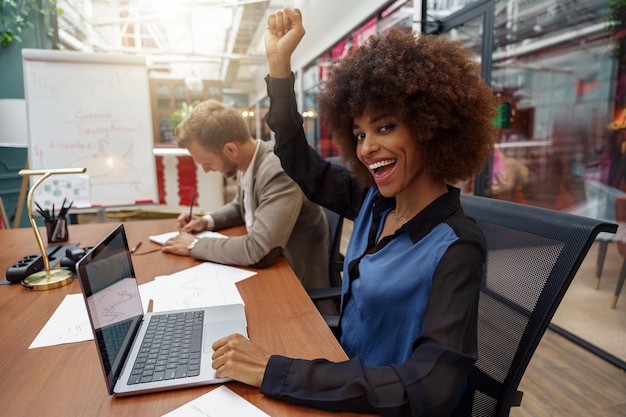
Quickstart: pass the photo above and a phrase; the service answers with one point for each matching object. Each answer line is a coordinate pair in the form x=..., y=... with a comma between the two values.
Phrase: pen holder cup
x=56, y=230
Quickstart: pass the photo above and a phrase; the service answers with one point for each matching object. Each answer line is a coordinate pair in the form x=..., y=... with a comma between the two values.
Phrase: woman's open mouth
x=381, y=170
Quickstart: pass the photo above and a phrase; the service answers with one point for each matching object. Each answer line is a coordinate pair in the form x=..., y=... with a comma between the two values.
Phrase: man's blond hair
x=212, y=124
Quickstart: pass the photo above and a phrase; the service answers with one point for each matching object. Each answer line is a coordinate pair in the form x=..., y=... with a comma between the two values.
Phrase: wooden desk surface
x=67, y=380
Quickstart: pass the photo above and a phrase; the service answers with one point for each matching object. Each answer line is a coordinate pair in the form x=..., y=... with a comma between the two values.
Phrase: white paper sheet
x=221, y=402
x=163, y=237
x=203, y=285
x=68, y=324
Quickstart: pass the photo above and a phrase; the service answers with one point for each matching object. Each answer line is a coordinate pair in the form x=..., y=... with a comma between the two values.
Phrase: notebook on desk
x=164, y=237
x=121, y=329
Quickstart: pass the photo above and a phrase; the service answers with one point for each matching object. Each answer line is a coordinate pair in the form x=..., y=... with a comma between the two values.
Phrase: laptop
x=122, y=330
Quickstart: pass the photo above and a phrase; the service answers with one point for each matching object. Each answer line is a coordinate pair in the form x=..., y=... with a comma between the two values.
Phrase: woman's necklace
x=398, y=218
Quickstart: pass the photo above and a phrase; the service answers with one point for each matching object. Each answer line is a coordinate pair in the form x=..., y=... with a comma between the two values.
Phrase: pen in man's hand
x=134, y=249
x=193, y=200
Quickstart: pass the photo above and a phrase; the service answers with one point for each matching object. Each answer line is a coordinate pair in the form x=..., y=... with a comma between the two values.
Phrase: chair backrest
x=533, y=255
x=335, y=259
x=620, y=218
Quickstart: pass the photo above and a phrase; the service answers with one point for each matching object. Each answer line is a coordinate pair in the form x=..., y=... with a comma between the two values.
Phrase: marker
x=134, y=249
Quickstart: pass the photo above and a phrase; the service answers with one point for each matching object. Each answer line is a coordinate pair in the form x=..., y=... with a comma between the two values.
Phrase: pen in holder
x=56, y=225
x=56, y=230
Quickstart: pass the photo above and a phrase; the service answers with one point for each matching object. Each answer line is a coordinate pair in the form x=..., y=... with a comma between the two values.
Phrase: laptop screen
x=112, y=297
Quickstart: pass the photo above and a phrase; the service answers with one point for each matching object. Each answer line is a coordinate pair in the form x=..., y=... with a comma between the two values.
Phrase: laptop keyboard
x=171, y=348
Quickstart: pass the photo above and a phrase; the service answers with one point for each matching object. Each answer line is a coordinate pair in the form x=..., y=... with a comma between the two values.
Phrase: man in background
x=279, y=219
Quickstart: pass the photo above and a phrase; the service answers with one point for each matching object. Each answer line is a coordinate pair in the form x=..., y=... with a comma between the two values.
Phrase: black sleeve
x=429, y=383
x=327, y=184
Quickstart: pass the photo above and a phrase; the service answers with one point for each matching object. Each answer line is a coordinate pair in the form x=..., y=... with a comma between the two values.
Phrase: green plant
x=617, y=15
x=178, y=115
x=14, y=17
x=617, y=26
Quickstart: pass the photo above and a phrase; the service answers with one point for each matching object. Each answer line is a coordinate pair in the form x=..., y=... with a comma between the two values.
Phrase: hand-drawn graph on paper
x=68, y=324
x=204, y=285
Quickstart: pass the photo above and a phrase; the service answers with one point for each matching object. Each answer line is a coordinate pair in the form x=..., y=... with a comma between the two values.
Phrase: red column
x=160, y=178
x=187, y=181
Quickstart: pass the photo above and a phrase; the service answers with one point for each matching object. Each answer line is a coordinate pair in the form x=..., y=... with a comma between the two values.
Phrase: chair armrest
x=332, y=322
x=318, y=294
x=324, y=293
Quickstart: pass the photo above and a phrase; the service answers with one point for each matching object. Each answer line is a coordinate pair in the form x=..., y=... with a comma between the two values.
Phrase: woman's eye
x=387, y=127
x=359, y=137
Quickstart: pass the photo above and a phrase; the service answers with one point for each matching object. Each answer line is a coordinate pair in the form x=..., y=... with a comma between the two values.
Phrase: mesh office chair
x=533, y=255
x=335, y=266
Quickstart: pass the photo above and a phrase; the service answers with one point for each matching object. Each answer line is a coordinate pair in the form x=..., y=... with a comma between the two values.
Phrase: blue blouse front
x=372, y=328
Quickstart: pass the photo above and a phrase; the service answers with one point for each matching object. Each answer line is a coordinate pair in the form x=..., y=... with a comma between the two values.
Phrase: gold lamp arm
x=44, y=279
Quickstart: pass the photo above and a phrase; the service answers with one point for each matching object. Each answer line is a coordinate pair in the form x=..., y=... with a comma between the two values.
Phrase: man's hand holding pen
x=187, y=224
x=194, y=225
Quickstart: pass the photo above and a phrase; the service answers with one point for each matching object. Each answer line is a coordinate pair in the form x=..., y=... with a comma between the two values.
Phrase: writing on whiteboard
x=92, y=110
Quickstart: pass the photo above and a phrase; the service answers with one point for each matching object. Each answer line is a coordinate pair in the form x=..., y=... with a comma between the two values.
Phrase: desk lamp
x=46, y=279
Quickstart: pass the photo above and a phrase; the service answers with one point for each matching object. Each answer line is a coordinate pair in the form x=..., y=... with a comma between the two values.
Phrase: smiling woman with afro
x=429, y=82
x=412, y=117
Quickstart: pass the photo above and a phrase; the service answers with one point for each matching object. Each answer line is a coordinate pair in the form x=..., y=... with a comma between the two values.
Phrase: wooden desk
x=66, y=380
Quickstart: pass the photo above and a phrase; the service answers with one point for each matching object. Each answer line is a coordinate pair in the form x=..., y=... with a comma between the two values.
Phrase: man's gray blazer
x=285, y=222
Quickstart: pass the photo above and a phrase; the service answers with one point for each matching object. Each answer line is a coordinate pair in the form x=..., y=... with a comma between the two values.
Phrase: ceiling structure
x=207, y=39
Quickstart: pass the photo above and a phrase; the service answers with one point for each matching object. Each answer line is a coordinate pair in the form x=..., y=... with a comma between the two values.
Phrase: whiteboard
x=92, y=110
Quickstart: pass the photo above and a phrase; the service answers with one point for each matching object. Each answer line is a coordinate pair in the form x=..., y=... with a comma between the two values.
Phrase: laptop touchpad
x=218, y=329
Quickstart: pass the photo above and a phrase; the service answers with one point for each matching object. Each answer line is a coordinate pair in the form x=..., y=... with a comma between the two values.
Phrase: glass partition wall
x=556, y=67
x=551, y=65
